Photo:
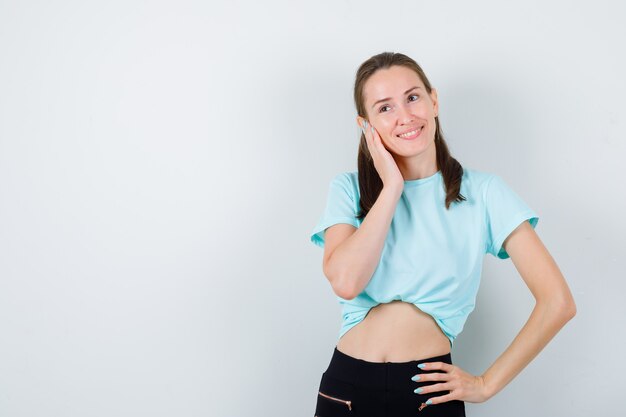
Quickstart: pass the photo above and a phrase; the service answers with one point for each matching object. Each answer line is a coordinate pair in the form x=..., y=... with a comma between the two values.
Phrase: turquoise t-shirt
x=432, y=256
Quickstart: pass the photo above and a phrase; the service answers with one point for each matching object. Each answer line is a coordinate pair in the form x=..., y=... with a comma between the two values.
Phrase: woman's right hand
x=384, y=162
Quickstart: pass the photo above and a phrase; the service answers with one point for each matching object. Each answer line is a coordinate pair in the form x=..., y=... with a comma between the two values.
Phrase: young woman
x=404, y=239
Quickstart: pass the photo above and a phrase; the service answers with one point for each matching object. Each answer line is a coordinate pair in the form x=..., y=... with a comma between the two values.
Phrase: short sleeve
x=341, y=207
x=505, y=210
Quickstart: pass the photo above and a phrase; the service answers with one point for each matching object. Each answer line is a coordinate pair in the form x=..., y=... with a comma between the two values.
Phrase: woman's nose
x=406, y=115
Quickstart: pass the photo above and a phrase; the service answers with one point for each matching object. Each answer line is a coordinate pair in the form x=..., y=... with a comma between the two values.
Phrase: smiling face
x=398, y=105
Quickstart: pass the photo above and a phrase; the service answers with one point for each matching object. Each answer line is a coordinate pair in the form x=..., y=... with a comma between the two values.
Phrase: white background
x=162, y=164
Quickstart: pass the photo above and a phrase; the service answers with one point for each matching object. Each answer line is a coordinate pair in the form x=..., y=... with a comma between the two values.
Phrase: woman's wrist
x=488, y=389
x=393, y=189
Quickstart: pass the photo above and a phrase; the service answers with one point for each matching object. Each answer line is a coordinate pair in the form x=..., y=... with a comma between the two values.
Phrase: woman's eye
x=413, y=95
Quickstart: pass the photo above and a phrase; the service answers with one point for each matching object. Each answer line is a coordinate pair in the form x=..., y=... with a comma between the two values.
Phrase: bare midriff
x=395, y=332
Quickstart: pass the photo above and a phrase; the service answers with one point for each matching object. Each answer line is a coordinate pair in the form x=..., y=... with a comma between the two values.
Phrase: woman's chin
x=411, y=149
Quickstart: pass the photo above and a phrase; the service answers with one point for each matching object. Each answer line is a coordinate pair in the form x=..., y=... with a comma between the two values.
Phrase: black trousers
x=358, y=388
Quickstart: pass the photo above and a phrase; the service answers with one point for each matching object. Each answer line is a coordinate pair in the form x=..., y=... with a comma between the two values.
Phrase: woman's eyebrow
x=389, y=98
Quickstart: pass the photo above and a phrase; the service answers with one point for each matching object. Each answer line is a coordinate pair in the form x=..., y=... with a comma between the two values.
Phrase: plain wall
x=163, y=163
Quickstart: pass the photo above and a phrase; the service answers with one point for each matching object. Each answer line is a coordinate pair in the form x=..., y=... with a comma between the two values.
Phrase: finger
x=376, y=137
x=434, y=376
x=445, y=386
x=436, y=366
x=375, y=134
x=443, y=398
x=369, y=140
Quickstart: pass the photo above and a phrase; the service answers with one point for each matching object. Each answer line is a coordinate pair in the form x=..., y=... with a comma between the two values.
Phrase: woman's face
x=397, y=102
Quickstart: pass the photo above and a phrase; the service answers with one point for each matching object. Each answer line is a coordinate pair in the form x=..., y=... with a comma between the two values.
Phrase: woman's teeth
x=411, y=133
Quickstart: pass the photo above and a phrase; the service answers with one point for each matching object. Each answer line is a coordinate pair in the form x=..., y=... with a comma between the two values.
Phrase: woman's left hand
x=462, y=385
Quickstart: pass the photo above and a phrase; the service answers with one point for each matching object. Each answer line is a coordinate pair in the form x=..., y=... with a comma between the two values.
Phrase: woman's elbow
x=569, y=310
x=339, y=285
x=559, y=305
x=565, y=307
x=344, y=288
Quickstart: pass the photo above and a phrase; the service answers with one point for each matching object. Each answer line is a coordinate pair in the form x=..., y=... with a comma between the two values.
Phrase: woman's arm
x=351, y=255
x=554, y=307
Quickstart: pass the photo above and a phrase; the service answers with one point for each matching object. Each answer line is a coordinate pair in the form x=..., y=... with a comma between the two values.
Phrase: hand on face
x=384, y=162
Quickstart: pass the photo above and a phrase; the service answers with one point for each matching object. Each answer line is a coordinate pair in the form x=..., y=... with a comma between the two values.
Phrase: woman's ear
x=435, y=99
x=360, y=122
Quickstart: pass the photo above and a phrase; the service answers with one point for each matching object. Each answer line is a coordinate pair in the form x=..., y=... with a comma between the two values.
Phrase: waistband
x=379, y=375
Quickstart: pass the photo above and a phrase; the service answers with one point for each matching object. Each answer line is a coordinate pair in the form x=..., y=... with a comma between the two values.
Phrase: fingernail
x=416, y=378
x=372, y=129
x=365, y=123
x=418, y=390
x=429, y=402
x=421, y=366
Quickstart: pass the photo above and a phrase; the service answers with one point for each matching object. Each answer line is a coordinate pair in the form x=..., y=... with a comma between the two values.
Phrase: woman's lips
x=419, y=131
